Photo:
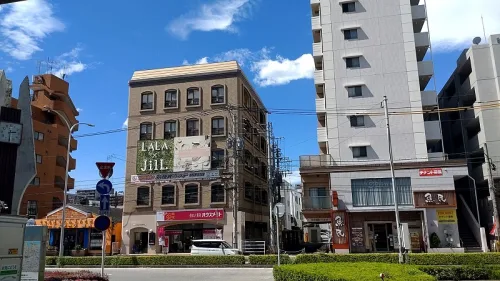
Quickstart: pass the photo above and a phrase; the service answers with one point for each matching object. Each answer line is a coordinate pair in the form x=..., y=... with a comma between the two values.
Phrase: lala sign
x=154, y=156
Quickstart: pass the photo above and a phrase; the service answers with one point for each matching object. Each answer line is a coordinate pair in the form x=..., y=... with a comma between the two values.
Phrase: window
x=193, y=127
x=263, y=144
x=256, y=166
x=264, y=196
x=352, y=62
x=359, y=151
x=349, y=7
x=146, y=101
x=262, y=117
x=248, y=159
x=217, y=158
x=249, y=191
x=38, y=158
x=357, y=120
x=218, y=126
x=247, y=129
x=218, y=194
x=56, y=203
x=143, y=196
x=168, y=195
x=350, y=34
x=35, y=181
x=263, y=170
x=354, y=91
x=170, y=98
x=32, y=208
x=378, y=192
x=170, y=130
x=38, y=136
x=193, y=96
x=258, y=195
x=146, y=131
x=218, y=94
x=191, y=194
x=246, y=98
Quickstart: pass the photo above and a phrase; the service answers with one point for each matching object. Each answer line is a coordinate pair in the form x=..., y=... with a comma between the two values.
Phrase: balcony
x=316, y=161
x=63, y=141
x=419, y=15
x=316, y=22
x=317, y=49
x=436, y=156
x=422, y=43
x=320, y=105
x=429, y=98
x=318, y=77
x=432, y=130
x=316, y=203
x=322, y=135
x=425, y=73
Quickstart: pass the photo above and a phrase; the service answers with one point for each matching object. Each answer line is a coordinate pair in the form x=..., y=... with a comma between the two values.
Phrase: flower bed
x=73, y=275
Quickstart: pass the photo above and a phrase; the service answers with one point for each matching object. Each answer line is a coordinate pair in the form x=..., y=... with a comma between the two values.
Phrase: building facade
x=365, y=51
x=50, y=133
x=472, y=133
x=196, y=133
x=291, y=197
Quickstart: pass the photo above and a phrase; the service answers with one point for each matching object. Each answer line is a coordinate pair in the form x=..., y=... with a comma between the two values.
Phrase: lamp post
x=65, y=192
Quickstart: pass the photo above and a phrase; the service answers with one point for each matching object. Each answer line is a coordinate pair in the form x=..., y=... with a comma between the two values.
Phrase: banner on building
x=190, y=215
x=448, y=216
x=435, y=199
x=340, y=234
x=176, y=176
x=430, y=172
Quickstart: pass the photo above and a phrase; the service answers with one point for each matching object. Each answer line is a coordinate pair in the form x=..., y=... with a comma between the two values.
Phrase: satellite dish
x=476, y=40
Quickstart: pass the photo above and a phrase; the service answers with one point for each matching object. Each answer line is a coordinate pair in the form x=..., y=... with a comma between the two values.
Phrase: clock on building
x=10, y=132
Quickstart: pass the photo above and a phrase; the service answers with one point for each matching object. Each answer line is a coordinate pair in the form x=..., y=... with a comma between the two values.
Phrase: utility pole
x=491, y=187
x=393, y=178
x=237, y=144
x=270, y=172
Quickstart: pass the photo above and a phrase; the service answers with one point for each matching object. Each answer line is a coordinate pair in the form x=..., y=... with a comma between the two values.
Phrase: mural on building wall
x=155, y=156
x=192, y=153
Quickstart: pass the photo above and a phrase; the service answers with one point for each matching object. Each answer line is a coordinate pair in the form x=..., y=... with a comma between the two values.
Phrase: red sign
x=105, y=169
x=429, y=172
x=191, y=215
x=493, y=229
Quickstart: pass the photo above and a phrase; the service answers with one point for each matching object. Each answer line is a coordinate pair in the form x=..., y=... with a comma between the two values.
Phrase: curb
x=158, y=266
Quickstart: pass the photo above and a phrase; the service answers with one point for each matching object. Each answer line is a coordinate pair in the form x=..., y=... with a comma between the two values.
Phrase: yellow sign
x=447, y=216
x=13, y=251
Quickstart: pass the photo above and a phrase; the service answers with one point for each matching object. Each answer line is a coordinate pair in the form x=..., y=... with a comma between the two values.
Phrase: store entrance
x=180, y=237
x=381, y=236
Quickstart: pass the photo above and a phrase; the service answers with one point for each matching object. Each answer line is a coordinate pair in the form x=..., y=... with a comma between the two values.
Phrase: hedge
x=151, y=260
x=362, y=271
x=77, y=276
x=458, y=272
x=269, y=259
x=416, y=259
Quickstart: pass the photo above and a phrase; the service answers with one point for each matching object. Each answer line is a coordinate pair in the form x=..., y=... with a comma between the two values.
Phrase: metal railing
x=311, y=161
x=251, y=247
x=316, y=203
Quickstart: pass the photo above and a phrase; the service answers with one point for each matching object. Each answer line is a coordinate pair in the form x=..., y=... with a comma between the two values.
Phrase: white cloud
x=219, y=15
x=203, y=60
x=24, y=25
x=79, y=109
x=68, y=63
x=125, y=124
x=454, y=23
x=293, y=178
x=282, y=71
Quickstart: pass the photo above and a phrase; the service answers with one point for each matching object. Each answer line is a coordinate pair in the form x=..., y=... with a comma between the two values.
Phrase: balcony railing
x=311, y=161
x=317, y=203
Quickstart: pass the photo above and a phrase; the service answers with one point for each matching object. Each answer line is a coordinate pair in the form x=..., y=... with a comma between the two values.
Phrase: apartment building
x=53, y=112
x=291, y=197
x=365, y=50
x=195, y=133
x=472, y=133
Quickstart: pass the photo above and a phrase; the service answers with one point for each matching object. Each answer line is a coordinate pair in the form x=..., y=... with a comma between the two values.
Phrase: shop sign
x=190, y=215
x=357, y=237
x=435, y=199
x=318, y=220
x=430, y=172
x=155, y=156
x=448, y=216
x=340, y=237
x=176, y=176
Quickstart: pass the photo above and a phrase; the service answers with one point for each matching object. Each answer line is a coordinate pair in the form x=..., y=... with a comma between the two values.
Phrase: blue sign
x=102, y=223
x=104, y=204
x=103, y=186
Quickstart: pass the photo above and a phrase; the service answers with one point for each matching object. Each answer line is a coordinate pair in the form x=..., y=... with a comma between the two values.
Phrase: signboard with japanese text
x=190, y=215
x=340, y=235
x=435, y=199
x=448, y=216
x=178, y=176
x=430, y=172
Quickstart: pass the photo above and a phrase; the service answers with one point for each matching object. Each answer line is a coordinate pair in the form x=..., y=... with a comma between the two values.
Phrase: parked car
x=212, y=247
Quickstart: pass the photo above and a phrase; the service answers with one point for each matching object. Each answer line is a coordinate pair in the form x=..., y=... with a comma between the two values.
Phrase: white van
x=212, y=247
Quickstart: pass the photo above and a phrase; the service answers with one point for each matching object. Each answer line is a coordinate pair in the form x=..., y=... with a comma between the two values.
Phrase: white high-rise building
x=365, y=50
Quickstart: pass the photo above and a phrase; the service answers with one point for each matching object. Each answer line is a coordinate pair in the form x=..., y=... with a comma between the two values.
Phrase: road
x=184, y=274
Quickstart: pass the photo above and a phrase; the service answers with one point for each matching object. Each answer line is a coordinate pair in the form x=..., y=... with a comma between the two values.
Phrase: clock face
x=10, y=132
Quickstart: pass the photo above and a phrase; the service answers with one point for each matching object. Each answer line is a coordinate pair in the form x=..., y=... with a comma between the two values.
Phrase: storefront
x=176, y=229
x=80, y=236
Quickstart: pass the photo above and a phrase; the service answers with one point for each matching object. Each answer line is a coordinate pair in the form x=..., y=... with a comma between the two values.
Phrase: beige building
x=181, y=122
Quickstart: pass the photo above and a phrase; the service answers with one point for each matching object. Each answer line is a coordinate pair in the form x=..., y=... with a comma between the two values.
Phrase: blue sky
x=98, y=45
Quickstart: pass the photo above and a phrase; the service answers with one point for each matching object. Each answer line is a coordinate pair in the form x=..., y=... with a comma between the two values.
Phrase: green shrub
x=51, y=260
x=457, y=272
x=269, y=259
x=361, y=271
x=328, y=258
x=152, y=260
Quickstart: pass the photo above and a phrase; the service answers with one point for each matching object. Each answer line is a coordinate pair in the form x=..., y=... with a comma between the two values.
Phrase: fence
x=254, y=247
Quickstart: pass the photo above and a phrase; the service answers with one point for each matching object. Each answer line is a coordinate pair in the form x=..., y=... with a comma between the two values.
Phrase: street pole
x=103, y=254
x=236, y=142
x=277, y=233
x=491, y=186
x=270, y=172
x=393, y=179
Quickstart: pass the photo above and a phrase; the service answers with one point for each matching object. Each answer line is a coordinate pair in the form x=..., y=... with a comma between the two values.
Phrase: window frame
x=38, y=156
x=171, y=91
x=212, y=97
x=137, y=200
x=146, y=134
x=39, y=136
x=348, y=34
x=194, y=98
x=190, y=185
x=349, y=7
x=35, y=181
x=360, y=154
x=218, y=119
x=29, y=206
x=354, y=120
x=176, y=126
x=145, y=94
x=349, y=62
x=222, y=161
x=212, y=185
x=197, y=120
x=354, y=91
x=249, y=190
x=174, y=199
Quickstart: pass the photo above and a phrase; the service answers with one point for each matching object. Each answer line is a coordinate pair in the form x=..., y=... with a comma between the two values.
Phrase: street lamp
x=65, y=192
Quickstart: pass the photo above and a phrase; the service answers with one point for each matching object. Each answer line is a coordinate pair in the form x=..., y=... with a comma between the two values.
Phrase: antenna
x=484, y=30
x=476, y=40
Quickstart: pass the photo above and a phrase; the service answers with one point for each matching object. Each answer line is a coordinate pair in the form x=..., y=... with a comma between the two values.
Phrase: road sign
x=102, y=223
x=279, y=209
x=105, y=169
x=104, y=204
x=104, y=186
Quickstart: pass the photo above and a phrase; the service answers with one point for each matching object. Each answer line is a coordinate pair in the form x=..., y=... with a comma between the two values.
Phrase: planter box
x=446, y=250
x=79, y=253
x=51, y=253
